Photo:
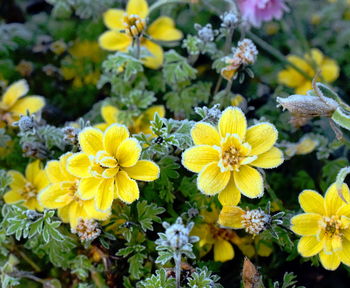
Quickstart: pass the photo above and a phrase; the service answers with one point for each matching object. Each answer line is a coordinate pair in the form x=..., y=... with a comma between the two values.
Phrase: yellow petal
x=205, y=134
x=54, y=196
x=114, y=41
x=113, y=137
x=41, y=180
x=344, y=254
x=306, y=224
x=18, y=180
x=312, y=202
x=332, y=199
x=127, y=189
x=32, y=170
x=63, y=213
x=231, y=216
x=249, y=181
x=230, y=195
x=329, y=261
x=13, y=93
x=316, y=55
x=270, y=159
x=163, y=29
x=330, y=70
x=113, y=18
x=344, y=211
x=290, y=78
x=156, y=60
x=53, y=171
x=303, y=88
x=109, y=114
x=211, y=180
x=197, y=157
x=128, y=152
x=101, y=126
x=137, y=7
x=89, y=187
x=233, y=121
x=92, y=213
x=223, y=251
x=31, y=104
x=261, y=137
x=90, y=140
x=74, y=214
x=78, y=165
x=142, y=123
x=144, y=170
x=105, y=195
x=12, y=196
x=309, y=246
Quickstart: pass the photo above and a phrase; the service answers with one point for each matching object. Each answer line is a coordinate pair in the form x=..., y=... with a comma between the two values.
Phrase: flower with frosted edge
x=325, y=226
x=26, y=187
x=310, y=64
x=257, y=11
x=252, y=221
x=132, y=21
x=142, y=124
x=62, y=194
x=87, y=229
x=225, y=156
x=109, y=165
x=13, y=103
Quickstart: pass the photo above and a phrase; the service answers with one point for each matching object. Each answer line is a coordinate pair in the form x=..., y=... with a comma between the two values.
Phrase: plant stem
x=138, y=47
x=159, y=3
x=177, y=259
x=277, y=54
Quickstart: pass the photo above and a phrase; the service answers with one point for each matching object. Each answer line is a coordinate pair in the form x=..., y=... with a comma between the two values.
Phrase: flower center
x=332, y=226
x=29, y=191
x=104, y=165
x=232, y=157
x=221, y=233
x=255, y=221
x=134, y=25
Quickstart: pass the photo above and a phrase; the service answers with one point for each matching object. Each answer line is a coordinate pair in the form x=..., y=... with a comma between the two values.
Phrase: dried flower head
x=87, y=230
x=25, y=68
x=71, y=135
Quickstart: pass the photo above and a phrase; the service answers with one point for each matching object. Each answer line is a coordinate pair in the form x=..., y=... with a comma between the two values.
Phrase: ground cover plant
x=174, y=143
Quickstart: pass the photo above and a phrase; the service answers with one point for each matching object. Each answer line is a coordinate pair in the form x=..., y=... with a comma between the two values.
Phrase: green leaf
x=342, y=118
x=147, y=214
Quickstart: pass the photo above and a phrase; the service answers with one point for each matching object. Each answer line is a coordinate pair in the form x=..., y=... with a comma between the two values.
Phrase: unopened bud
x=307, y=106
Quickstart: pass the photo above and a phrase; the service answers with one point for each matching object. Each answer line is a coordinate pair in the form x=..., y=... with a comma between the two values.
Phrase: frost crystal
x=229, y=19
x=206, y=33
x=255, y=221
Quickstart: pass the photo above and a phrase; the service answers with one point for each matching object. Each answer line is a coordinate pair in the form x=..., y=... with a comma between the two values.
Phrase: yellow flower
x=13, y=104
x=132, y=21
x=212, y=236
x=141, y=124
x=224, y=157
x=292, y=78
x=27, y=187
x=324, y=227
x=82, y=65
x=109, y=165
x=62, y=194
x=305, y=145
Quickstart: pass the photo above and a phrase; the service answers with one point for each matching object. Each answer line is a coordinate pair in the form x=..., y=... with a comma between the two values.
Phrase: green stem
x=277, y=54
x=138, y=47
x=177, y=259
x=159, y=3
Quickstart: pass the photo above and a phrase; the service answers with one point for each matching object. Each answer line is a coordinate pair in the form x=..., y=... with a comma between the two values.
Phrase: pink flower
x=257, y=11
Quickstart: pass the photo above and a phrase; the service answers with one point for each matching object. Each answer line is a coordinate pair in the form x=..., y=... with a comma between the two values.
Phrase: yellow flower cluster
x=127, y=25
x=325, y=226
x=82, y=63
x=310, y=64
x=83, y=185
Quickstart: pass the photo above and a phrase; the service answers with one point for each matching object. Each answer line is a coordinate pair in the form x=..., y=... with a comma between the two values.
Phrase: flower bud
x=307, y=106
